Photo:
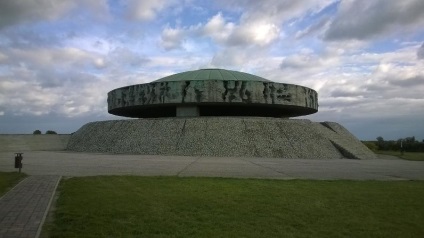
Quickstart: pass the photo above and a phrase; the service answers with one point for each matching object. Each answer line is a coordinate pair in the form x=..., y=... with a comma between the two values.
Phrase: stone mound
x=220, y=137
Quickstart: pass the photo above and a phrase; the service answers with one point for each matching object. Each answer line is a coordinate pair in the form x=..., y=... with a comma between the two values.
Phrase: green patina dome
x=212, y=74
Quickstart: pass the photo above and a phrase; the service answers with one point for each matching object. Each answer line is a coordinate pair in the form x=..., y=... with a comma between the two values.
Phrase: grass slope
x=120, y=206
x=8, y=180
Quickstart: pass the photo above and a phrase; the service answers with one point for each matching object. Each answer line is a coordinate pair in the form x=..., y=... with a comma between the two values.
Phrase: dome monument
x=217, y=113
x=212, y=92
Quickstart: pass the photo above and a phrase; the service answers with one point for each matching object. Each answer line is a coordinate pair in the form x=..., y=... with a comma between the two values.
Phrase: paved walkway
x=24, y=208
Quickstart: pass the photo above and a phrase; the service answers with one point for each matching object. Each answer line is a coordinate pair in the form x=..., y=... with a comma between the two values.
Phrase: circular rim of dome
x=212, y=92
x=212, y=74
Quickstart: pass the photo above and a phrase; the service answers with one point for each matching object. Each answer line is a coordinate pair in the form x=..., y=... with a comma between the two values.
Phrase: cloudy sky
x=59, y=58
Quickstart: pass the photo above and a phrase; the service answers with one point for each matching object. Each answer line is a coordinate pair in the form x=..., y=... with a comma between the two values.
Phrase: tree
x=380, y=143
x=371, y=145
x=410, y=140
x=37, y=132
x=51, y=132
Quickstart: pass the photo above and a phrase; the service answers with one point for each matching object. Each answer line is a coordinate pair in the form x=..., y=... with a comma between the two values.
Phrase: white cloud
x=223, y=32
x=28, y=97
x=420, y=52
x=96, y=45
x=361, y=20
x=229, y=58
x=257, y=33
x=252, y=33
x=259, y=24
x=274, y=11
x=40, y=81
x=51, y=58
x=218, y=29
x=319, y=27
x=147, y=10
x=3, y=57
x=123, y=57
x=20, y=11
x=99, y=8
x=308, y=62
x=172, y=38
x=358, y=85
x=99, y=62
x=17, y=11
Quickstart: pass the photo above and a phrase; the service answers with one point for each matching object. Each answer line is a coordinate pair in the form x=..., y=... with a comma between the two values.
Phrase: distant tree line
x=409, y=144
x=38, y=132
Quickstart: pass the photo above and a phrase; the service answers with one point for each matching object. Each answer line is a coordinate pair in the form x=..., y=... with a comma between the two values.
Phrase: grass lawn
x=416, y=156
x=129, y=206
x=8, y=180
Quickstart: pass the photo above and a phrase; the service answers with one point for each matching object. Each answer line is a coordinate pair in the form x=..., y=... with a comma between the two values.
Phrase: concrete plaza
x=65, y=163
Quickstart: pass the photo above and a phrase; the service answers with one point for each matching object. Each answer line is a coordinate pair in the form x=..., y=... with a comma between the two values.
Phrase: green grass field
x=415, y=156
x=127, y=206
x=8, y=180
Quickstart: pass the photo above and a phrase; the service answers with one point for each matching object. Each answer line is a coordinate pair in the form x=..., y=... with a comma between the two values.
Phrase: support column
x=187, y=111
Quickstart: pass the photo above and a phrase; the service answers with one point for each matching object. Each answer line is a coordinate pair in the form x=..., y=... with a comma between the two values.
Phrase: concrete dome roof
x=212, y=74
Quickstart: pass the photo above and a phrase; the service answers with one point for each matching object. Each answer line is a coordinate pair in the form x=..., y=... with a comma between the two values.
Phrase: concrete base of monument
x=22, y=143
x=221, y=137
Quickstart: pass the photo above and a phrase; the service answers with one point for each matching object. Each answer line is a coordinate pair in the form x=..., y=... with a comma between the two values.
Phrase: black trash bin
x=18, y=161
